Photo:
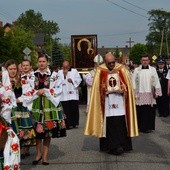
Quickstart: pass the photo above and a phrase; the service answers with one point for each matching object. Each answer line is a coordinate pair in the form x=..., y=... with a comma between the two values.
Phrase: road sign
x=26, y=51
x=27, y=57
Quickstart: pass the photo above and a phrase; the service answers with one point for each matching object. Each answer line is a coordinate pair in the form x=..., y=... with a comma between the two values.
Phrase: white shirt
x=70, y=90
x=53, y=93
x=146, y=85
x=7, y=96
x=114, y=105
x=168, y=75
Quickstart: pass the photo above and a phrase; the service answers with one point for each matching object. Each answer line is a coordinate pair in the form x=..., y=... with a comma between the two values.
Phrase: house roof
x=7, y=25
x=102, y=51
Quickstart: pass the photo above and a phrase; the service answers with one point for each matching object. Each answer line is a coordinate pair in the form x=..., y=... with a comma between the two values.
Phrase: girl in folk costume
x=27, y=78
x=3, y=137
x=9, y=142
x=21, y=121
x=46, y=109
x=8, y=97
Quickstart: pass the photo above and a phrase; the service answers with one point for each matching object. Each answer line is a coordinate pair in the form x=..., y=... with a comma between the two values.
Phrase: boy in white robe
x=147, y=88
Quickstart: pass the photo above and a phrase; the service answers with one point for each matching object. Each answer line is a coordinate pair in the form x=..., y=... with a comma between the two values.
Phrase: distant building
x=103, y=50
x=38, y=39
x=125, y=51
x=7, y=27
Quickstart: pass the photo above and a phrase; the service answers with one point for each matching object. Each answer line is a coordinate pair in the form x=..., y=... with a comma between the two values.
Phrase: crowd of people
x=34, y=106
x=124, y=100
x=39, y=104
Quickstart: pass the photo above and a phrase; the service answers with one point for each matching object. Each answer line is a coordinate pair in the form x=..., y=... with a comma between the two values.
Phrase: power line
x=127, y=33
x=6, y=15
x=110, y=35
x=3, y=15
x=135, y=5
x=126, y=9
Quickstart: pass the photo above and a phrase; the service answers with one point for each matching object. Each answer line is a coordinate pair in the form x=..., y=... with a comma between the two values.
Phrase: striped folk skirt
x=22, y=125
x=49, y=120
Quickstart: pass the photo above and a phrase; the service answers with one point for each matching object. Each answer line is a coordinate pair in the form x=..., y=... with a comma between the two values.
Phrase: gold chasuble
x=95, y=123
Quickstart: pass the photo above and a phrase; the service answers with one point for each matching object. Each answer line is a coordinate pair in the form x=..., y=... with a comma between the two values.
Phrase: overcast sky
x=114, y=21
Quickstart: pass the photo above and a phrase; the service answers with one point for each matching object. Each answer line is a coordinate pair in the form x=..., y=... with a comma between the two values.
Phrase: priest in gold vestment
x=112, y=111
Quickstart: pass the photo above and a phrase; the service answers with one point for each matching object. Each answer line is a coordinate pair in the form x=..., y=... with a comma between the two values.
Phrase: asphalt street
x=78, y=152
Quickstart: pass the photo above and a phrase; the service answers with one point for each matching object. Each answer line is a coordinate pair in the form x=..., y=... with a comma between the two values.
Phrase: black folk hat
x=160, y=60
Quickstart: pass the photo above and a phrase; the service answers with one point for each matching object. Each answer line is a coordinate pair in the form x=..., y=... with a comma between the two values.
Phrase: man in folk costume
x=71, y=80
x=163, y=101
x=112, y=113
x=147, y=88
x=168, y=77
x=98, y=59
x=167, y=62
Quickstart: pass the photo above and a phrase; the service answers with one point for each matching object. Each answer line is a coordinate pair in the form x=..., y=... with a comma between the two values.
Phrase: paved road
x=79, y=152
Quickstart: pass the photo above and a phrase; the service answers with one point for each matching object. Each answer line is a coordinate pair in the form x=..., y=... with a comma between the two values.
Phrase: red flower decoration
x=39, y=128
x=21, y=133
x=28, y=93
x=113, y=106
x=7, y=100
x=16, y=167
x=6, y=167
x=23, y=81
x=12, y=134
x=50, y=125
x=52, y=91
x=32, y=92
x=15, y=147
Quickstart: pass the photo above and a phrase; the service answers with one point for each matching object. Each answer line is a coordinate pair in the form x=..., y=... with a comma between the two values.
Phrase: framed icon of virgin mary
x=84, y=49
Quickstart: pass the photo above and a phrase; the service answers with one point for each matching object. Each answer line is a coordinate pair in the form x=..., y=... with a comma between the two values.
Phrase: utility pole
x=130, y=42
x=162, y=39
x=51, y=50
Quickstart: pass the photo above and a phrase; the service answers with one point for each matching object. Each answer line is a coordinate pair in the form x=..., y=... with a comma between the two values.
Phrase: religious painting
x=84, y=49
x=113, y=82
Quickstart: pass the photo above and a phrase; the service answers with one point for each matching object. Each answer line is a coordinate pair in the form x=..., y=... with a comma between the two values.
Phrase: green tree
x=5, y=47
x=19, y=40
x=39, y=25
x=159, y=23
x=57, y=55
x=136, y=51
x=66, y=50
x=117, y=52
x=61, y=52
